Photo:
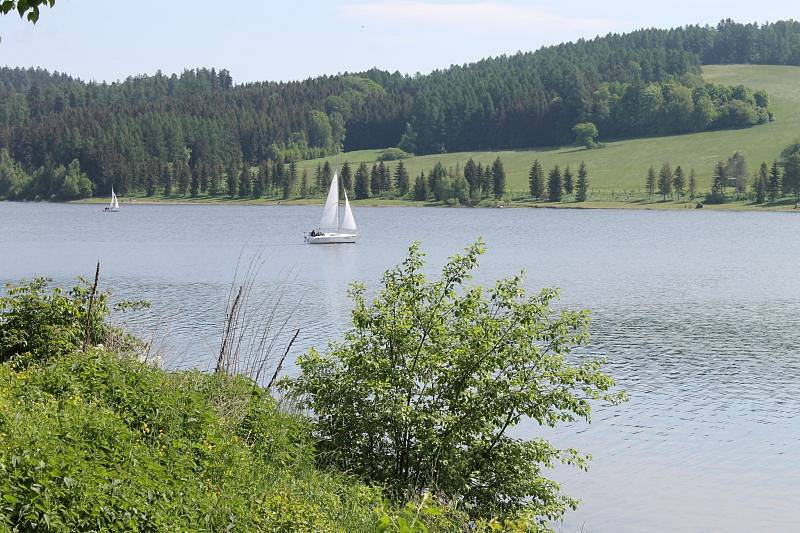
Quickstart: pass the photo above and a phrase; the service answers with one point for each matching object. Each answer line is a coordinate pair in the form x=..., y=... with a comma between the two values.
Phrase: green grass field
x=622, y=165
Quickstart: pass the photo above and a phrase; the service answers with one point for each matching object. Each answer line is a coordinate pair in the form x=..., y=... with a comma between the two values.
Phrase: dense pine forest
x=199, y=133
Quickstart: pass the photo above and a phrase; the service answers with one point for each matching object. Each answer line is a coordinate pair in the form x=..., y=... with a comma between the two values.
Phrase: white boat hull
x=331, y=238
x=111, y=209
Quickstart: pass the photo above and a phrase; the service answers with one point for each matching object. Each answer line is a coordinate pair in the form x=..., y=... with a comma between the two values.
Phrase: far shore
x=783, y=204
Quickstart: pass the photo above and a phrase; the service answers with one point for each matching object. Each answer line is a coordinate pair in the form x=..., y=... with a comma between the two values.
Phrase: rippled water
x=698, y=313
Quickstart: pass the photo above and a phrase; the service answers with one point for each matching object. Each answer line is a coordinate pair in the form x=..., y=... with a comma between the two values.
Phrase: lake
x=698, y=313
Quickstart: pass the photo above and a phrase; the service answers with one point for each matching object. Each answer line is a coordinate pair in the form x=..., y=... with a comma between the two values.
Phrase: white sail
x=114, y=201
x=349, y=223
x=330, y=215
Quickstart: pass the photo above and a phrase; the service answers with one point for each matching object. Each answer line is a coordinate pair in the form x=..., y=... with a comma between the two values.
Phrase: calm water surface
x=698, y=314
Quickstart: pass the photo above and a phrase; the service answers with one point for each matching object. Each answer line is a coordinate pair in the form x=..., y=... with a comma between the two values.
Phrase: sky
x=107, y=40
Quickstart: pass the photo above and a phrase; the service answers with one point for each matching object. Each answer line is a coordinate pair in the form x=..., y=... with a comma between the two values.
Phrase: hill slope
x=622, y=165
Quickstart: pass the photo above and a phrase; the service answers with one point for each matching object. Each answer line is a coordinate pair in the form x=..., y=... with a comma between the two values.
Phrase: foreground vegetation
x=407, y=429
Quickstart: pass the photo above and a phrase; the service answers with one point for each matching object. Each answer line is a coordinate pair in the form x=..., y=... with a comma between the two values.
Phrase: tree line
x=641, y=83
x=771, y=182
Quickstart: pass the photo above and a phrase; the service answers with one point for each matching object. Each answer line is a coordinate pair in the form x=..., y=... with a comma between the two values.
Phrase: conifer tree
x=327, y=174
x=498, y=179
x=194, y=186
x=665, y=181
x=386, y=178
x=244, y=182
x=279, y=177
x=267, y=169
x=791, y=174
x=692, y=184
x=583, y=183
x=362, y=181
x=304, y=184
x=472, y=175
x=233, y=180
x=651, y=181
x=486, y=181
x=374, y=182
x=347, y=177
x=167, y=178
x=149, y=185
x=421, y=188
x=536, y=180
x=204, y=178
x=554, y=185
x=214, y=180
x=774, y=186
x=718, y=183
x=678, y=181
x=290, y=180
x=184, y=177
x=258, y=182
x=568, y=183
x=319, y=181
x=401, y=179
x=761, y=183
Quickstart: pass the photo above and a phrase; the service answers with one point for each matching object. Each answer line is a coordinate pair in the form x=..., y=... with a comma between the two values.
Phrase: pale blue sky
x=261, y=40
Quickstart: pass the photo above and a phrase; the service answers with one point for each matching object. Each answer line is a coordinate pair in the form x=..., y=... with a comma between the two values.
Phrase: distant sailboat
x=114, y=205
x=330, y=231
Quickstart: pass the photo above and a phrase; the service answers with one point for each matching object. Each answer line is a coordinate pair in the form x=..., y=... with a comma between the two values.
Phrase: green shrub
x=421, y=392
x=393, y=154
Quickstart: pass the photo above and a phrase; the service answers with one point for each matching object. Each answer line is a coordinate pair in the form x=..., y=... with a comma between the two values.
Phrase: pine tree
x=362, y=181
x=204, y=178
x=486, y=181
x=678, y=181
x=386, y=178
x=554, y=185
x=214, y=180
x=279, y=177
x=290, y=180
x=536, y=180
x=401, y=179
x=498, y=179
x=568, y=184
x=761, y=183
x=472, y=175
x=167, y=178
x=421, y=188
x=692, y=184
x=374, y=182
x=319, y=183
x=651, y=181
x=774, y=186
x=347, y=177
x=184, y=177
x=583, y=183
x=267, y=168
x=327, y=175
x=233, y=180
x=304, y=184
x=150, y=186
x=665, y=181
x=194, y=186
x=258, y=182
x=244, y=182
x=717, y=194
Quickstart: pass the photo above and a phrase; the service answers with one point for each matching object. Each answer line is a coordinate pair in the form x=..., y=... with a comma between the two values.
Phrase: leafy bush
x=393, y=154
x=422, y=391
x=37, y=324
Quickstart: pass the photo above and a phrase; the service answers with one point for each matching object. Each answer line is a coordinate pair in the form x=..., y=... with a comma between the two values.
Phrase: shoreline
x=784, y=205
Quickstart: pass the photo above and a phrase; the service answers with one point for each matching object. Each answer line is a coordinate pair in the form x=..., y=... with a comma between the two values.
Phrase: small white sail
x=349, y=223
x=114, y=201
x=330, y=215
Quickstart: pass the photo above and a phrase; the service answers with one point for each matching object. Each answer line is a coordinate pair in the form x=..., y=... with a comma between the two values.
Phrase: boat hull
x=111, y=209
x=331, y=238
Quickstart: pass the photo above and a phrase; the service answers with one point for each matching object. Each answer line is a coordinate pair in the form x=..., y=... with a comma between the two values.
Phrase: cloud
x=480, y=15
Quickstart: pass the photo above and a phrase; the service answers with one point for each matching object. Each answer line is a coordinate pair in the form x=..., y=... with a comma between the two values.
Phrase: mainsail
x=330, y=215
x=349, y=223
x=114, y=201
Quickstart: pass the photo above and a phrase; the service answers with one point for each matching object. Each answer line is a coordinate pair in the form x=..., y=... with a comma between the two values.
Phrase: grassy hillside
x=622, y=165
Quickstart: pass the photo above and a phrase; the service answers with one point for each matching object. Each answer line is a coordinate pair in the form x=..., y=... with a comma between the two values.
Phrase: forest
x=64, y=138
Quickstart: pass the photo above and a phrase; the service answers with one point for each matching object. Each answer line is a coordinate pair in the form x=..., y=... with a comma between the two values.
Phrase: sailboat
x=330, y=231
x=114, y=205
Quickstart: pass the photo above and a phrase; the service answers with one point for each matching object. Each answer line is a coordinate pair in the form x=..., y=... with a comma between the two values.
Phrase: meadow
x=617, y=171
